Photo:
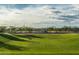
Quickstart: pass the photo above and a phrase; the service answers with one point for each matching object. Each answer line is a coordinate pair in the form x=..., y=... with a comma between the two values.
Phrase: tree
x=2, y=29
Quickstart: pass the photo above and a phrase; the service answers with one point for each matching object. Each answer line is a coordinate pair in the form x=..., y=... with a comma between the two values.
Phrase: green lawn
x=39, y=44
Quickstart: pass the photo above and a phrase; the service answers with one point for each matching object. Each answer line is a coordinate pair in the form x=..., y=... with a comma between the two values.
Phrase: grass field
x=39, y=44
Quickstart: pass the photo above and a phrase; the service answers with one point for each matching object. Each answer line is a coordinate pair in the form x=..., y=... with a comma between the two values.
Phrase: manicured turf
x=39, y=44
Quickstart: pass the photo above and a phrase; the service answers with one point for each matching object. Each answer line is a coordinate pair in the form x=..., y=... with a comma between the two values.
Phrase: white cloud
x=75, y=6
x=27, y=15
x=75, y=21
x=31, y=15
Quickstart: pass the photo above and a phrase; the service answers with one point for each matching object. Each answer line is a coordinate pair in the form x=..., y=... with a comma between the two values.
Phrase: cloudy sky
x=39, y=15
